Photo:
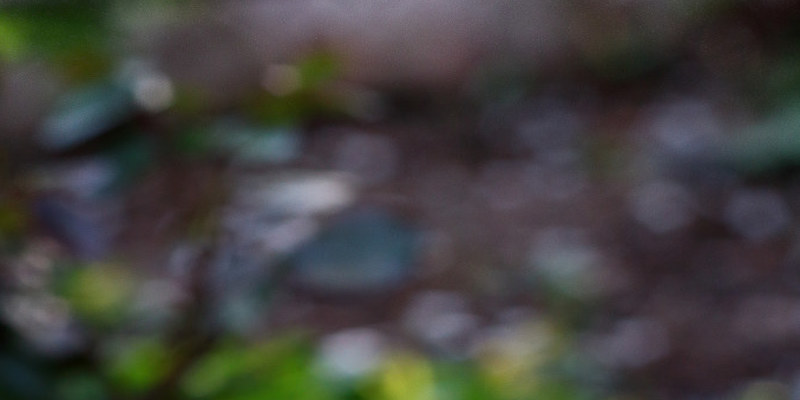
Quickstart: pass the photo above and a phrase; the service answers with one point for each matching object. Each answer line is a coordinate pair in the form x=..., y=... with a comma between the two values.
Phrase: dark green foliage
x=83, y=115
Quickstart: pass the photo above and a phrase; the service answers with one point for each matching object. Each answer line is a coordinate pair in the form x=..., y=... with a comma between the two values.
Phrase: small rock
x=364, y=251
x=662, y=206
x=440, y=319
x=757, y=214
x=351, y=353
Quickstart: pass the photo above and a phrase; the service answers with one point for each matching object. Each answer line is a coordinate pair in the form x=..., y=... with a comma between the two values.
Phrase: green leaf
x=136, y=365
x=11, y=40
x=461, y=381
x=85, y=114
x=55, y=29
x=253, y=145
x=100, y=294
x=14, y=218
x=318, y=69
x=277, y=369
x=406, y=376
x=768, y=146
x=81, y=386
